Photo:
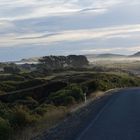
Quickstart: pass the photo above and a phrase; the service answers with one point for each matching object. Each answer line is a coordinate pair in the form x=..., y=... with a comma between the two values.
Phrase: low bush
x=105, y=82
x=47, y=105
x=67, y=96
x=21, y=117
x=5, y=129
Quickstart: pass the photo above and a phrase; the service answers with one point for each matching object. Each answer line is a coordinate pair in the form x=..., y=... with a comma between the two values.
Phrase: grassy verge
x=54, y=116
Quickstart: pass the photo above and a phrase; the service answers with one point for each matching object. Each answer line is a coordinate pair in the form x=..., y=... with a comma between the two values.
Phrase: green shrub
x=5, y=129
x=70, y=95
x=28, y=101
x=105, y=81
x=76, y=92
x=4, y=110
x=11, y=77
x=21, y=117
x=44, y=108
x=9, y=86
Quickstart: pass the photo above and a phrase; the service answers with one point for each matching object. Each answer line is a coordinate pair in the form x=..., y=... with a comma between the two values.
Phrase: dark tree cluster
x=60, y=62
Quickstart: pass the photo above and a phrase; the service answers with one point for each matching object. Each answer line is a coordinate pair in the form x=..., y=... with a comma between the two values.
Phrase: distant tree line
x=60, y=62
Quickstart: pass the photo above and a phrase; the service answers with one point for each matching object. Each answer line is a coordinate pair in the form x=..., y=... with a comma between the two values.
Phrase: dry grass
x=49, y=120
x=53, y=117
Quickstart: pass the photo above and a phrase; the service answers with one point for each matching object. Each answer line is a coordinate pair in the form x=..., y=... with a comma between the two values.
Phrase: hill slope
x=105, y=55
x=136, y=54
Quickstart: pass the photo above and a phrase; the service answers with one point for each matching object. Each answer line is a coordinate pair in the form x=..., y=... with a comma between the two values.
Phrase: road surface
x=118, y=120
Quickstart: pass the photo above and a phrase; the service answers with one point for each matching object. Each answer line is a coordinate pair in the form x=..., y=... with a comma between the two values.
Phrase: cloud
x=99, y=50
x=133, y=48
x=49, y=38
x=6, y=24
x=129, y=49
x=24, y=9
x=70, y=25
x=76, y=35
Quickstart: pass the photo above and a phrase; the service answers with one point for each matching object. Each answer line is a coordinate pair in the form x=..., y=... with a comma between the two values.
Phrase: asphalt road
x=118, y=120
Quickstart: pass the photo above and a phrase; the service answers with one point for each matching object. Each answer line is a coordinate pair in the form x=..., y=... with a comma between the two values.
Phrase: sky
x=32, y=28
